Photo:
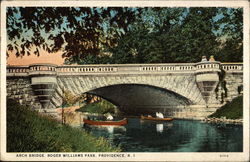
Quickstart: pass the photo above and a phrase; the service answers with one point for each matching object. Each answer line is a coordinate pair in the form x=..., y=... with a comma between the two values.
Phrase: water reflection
x=110, y=129
x=175, y=136
x=159, y=128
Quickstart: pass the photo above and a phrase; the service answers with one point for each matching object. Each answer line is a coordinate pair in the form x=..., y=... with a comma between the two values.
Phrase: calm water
x=175, y=136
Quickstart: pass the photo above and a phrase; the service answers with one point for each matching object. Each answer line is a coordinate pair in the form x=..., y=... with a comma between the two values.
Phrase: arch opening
x=136, y=99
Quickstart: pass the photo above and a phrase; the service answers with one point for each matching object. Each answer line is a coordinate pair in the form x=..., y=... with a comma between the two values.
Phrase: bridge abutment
x=43, y=82
x=207, y=78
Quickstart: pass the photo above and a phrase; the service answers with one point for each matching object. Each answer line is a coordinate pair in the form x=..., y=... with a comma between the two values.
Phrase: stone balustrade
x=42, y=69
x=17, y=71
x=85, y=69
x=168, y=67
x=207, y=66
x=232, y=67
x=125, y=68
x=35, y=69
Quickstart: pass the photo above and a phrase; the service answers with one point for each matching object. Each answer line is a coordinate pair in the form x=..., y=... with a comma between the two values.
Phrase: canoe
x=119, y=122
x=156, y=119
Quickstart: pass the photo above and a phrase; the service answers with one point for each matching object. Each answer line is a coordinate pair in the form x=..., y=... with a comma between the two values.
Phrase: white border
x=213, y=156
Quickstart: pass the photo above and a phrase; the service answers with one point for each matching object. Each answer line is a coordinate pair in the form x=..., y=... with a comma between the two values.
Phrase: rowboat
x=156, y=119
x=118, y=123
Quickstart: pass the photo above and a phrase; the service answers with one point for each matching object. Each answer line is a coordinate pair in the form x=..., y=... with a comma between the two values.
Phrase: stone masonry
x=41, y=85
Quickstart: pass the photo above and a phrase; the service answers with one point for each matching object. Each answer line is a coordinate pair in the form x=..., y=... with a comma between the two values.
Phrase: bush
x=101, y=107
x=232, y=110
x=28, y=131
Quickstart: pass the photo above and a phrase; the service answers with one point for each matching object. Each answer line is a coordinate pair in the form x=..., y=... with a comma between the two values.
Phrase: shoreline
x=79, y=115
x=224, y=120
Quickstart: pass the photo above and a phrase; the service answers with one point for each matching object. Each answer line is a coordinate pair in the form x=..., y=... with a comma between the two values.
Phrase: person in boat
x=159, y=115
x=110, y=117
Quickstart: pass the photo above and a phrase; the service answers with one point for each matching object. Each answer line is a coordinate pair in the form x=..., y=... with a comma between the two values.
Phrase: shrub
x=101, y=107
x=232, y=110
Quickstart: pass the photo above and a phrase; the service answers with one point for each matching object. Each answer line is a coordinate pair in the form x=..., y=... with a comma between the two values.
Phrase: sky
x=53, y=58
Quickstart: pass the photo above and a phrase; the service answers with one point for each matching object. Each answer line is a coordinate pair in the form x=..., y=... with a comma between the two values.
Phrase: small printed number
x=224, y=155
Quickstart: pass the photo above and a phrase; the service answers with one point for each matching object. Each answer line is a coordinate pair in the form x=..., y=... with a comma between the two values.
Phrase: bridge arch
x=131, y=97
x=184, y=85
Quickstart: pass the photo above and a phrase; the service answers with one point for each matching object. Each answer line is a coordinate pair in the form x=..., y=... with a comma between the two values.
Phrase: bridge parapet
x=125, y=68
x=39, y=69
x=42, y=69
x=232, y=67
x=167, y=67
x=207, y=66
x=85, y=69
x=17, y=71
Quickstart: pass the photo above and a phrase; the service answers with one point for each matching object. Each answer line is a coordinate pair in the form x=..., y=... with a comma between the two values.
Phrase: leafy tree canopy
x=77, y=31
x=127, y=35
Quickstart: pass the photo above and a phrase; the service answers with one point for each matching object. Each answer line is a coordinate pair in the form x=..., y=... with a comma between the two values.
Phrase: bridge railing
x=125, y=68
x=232, y=67
x=84, y=69
x=206, y=66
x=17, y=70
x=122, y=68
x=38, y=69
x=162, y=68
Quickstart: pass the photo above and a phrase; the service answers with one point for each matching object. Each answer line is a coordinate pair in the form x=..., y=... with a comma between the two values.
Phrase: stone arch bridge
x=184, y=90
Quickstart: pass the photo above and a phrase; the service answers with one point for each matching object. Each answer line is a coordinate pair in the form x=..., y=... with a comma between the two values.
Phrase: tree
x=128, y=35
x=77, y=31
x=182, y=35
x=67, y=99
x=169, y=35
x=231, y=35
x=194, y=37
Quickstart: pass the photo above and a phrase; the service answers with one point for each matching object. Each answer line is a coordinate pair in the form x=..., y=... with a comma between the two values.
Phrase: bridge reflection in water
x=175, y=136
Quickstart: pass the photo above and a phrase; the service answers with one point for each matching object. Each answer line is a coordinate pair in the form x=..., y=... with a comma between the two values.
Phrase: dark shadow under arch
x=140, y=96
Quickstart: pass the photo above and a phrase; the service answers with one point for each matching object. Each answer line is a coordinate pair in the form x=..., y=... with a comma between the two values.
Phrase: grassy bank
x=28, y=131
x=232, y=110
x=101, y=107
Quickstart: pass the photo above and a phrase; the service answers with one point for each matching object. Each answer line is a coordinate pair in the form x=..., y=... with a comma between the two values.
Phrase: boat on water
x=117, y=123
x=156, y=119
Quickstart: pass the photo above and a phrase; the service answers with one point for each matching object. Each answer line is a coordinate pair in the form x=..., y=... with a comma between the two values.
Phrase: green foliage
x=27, y=131
x=68, y=98
x=232, y=110
x=101, y=107
x=128, y=35
x=183, y=36
x=240, y=89
x=231, y=35
x=222, y=83
x=77, y=31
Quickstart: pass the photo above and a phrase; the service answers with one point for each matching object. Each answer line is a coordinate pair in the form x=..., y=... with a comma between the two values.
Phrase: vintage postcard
x=125, y=80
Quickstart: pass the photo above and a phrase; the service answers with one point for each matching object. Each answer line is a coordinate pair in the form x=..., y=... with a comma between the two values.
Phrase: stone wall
x=19, y=89
x=233, y=81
